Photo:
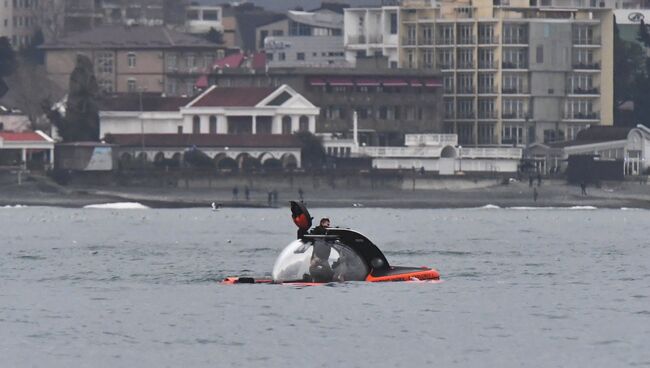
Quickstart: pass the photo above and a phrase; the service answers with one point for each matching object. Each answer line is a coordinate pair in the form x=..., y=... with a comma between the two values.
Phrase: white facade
x=370, y=31
x=199, y=19
x=295, y=109
x=431, y=152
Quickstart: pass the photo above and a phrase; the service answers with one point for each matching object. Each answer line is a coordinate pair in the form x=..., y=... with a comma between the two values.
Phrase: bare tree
x=50, y=15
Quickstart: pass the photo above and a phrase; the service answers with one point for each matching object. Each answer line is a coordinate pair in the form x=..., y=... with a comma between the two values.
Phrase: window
x=465, y=58
x=465, y=34
x=179, y=130
x=104, y=63
x=486, y=83
x=539, y=54
x=193, y=14
x=465, y=108
x=196, y=124
x=303, y=124
x=486, y=59
x=213, y=124
x=282, y=56
x=486, y=134
x=269, y=56
x=486, y=108
x=286, y=125
x=446, y=35
x=130, y=59
x=105, y=85
x=210, y=15
x=393, y=23
x=446, y=59
x=171, y=62
x=278, y=32
x=512, y=134
x=427, y=59
x=513, y=108
x=131, y=85
x=300, y=56
x=191, y=61
x=465, y=83
x=486, y=34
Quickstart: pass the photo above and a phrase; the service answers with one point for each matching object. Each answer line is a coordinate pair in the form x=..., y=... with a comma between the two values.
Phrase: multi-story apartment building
x=303, y=39
x=136, y=58
x=18, y=21
x=389, y=103
x=513, y=73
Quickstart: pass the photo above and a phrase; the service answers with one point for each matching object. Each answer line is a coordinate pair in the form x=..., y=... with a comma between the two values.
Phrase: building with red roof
x=224, y=123
x=17, y=148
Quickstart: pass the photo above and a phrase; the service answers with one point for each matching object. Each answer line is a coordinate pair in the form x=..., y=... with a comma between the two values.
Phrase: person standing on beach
x=530, y=181
x=235, y=193
x=583, y=187
x=539, y=179
x=247, y=193
x=535, y=194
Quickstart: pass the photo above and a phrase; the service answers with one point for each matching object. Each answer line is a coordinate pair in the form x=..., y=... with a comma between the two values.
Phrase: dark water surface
x=137, y=288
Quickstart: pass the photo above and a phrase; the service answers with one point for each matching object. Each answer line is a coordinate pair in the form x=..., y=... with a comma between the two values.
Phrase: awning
x=367, y=82
x=416, y=83
x=433, y=83
x=316, y=82
x=340, y=82
x=394, y=82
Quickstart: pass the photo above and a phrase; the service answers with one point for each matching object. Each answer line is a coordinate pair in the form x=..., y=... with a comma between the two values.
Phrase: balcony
x=465, y=115
x=513, y=115
x=446, y=41
x=426, y=41
x=487, y=115
x=514, y=91
x=515, y=40
x=511, y=65
x=449, y=115
x=466, y=41
x=582, y=116
x=487, y=65
x=487, y=90
x=586, y=66
x=446, y=66
x=465, y=65
x=354, y=40
x=511, y=153
x=465, y=90
x=585, y=91
x=588, y=41
x=409, y=41
x=487, y=40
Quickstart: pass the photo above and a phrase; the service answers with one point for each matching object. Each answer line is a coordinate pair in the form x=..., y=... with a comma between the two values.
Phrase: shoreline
x=557, y=194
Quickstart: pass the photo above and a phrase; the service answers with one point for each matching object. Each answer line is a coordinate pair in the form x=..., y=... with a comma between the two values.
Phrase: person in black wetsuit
x=319, y=267
x=321, y=229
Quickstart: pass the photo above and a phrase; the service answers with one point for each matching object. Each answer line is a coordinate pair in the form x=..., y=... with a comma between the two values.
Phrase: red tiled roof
x=234, y=97
x=230, y=61
x=202, y=82
x=22, y=137
x=259, y=61
x=209, y=140
x=150, y=102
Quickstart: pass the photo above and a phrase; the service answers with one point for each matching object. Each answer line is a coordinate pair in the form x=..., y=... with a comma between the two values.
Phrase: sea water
x=139, y=288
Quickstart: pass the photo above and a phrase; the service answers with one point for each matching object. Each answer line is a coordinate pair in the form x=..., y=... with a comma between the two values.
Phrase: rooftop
x=150, y=102
x=130, y=37
x=233, y=96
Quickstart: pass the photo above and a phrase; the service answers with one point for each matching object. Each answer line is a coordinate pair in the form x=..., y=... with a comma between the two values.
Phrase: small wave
x=583, y=208
x=528, y=208
x=490, y=207
x=631, y=209
x=15, y=206
x=119, y=206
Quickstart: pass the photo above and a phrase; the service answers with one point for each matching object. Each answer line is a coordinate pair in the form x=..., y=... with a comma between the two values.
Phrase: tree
x=34, y=53
x=628, y=70
x=214, y=36
x=642, y=35
x=312, y=151
x=7, y=63
x=81, y=120
x=50, y=16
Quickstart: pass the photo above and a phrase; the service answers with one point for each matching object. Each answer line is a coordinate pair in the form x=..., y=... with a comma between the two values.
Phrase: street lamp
x=144, y=158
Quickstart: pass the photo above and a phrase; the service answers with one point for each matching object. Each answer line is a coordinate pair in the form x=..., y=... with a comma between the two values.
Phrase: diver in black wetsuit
x=319, y=267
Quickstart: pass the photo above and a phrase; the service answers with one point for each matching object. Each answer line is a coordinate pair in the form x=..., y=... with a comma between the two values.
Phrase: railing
x=443, y=66
x=487, y=40
x=446, y=41
x=487, y=115
x=449, y=115
x=468, y=89
x=590, y=41
x=586, y=66
x=427, y=41
x=487, y=65
x=515, y=40
x=510, y=153
x=513, y=91
x=400, y=151
x=513, y=115
x=582, y=116
x=511, y=65
x=489, y=89
x=360, y=39
x=430, y=139
x=465, y=65
x=409, y=41
x=466, y=115
x=585, y=91
x=466, y=41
